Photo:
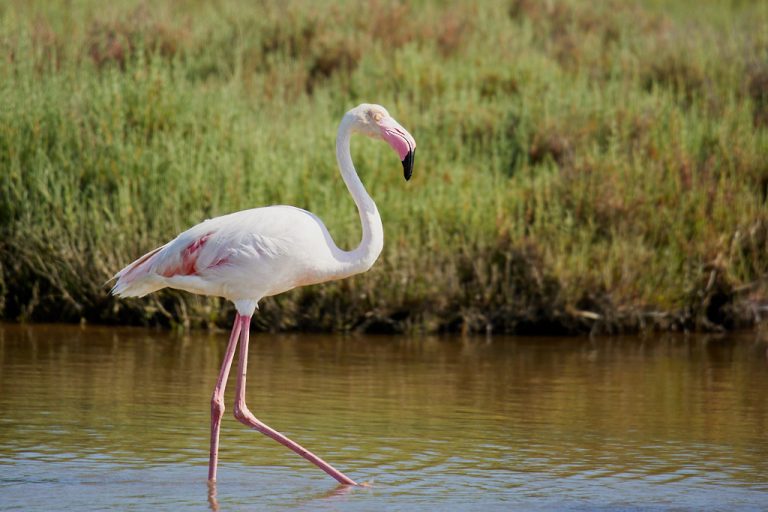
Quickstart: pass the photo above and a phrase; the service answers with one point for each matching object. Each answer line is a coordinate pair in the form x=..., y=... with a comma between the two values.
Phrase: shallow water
x=96, y=418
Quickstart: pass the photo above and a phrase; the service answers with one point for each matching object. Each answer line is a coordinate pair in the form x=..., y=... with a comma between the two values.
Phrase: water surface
x=97, y=418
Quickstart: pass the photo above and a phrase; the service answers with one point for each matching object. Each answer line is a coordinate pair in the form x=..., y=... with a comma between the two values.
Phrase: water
x=97, y=418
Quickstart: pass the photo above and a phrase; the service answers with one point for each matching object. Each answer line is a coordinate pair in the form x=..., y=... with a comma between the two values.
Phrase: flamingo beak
x=408, y=164
x=401, y=141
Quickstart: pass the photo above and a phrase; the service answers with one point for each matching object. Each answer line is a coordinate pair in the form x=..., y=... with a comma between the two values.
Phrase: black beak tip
x=408, y=164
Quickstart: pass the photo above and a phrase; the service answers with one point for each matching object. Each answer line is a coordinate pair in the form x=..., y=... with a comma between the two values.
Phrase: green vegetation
x=581, y=165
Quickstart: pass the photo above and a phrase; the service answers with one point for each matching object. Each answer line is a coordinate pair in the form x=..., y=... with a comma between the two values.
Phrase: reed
x=582, y=166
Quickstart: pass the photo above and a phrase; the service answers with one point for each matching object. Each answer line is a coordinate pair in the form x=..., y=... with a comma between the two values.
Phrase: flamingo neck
x=361, y=258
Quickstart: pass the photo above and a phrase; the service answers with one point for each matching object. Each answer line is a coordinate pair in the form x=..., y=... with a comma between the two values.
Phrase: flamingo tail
x=138, y=279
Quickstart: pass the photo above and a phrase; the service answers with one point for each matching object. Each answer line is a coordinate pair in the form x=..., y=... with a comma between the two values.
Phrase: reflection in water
x=102, y=417
x=212, y=501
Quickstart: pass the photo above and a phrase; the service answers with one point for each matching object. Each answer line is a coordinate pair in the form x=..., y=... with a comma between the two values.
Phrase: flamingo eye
x=378, y=116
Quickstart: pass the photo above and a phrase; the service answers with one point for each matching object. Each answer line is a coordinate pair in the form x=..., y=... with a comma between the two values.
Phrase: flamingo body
x=243, y=257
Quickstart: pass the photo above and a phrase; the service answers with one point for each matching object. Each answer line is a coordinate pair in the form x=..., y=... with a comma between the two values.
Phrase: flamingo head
x=374, y=121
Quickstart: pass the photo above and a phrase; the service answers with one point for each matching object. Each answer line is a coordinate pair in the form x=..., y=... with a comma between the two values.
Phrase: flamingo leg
x=217, y=400
x=247, y=418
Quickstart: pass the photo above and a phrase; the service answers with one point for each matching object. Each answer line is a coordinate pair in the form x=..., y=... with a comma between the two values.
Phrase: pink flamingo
x=248, y=255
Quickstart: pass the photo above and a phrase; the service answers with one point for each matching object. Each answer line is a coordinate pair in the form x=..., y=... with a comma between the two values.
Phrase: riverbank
x=581, y=168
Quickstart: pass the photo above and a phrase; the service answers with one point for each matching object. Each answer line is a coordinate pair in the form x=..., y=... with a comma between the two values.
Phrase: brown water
x=99, y=418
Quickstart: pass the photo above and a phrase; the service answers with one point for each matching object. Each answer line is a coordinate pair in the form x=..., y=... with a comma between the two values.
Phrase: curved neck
x=361, y=258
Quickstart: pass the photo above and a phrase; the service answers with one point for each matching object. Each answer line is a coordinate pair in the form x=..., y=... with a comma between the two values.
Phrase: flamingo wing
x=188, y=254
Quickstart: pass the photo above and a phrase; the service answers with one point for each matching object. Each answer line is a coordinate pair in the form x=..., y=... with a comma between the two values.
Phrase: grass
x=582, y=166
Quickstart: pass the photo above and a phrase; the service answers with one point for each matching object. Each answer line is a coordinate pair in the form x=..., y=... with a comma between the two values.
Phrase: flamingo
x=252, y=254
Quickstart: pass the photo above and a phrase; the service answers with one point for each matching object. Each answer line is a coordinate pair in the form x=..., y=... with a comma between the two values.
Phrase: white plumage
x=243, y=256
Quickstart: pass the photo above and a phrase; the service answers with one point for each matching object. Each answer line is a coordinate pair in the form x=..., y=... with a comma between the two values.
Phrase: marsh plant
x=582, y=166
